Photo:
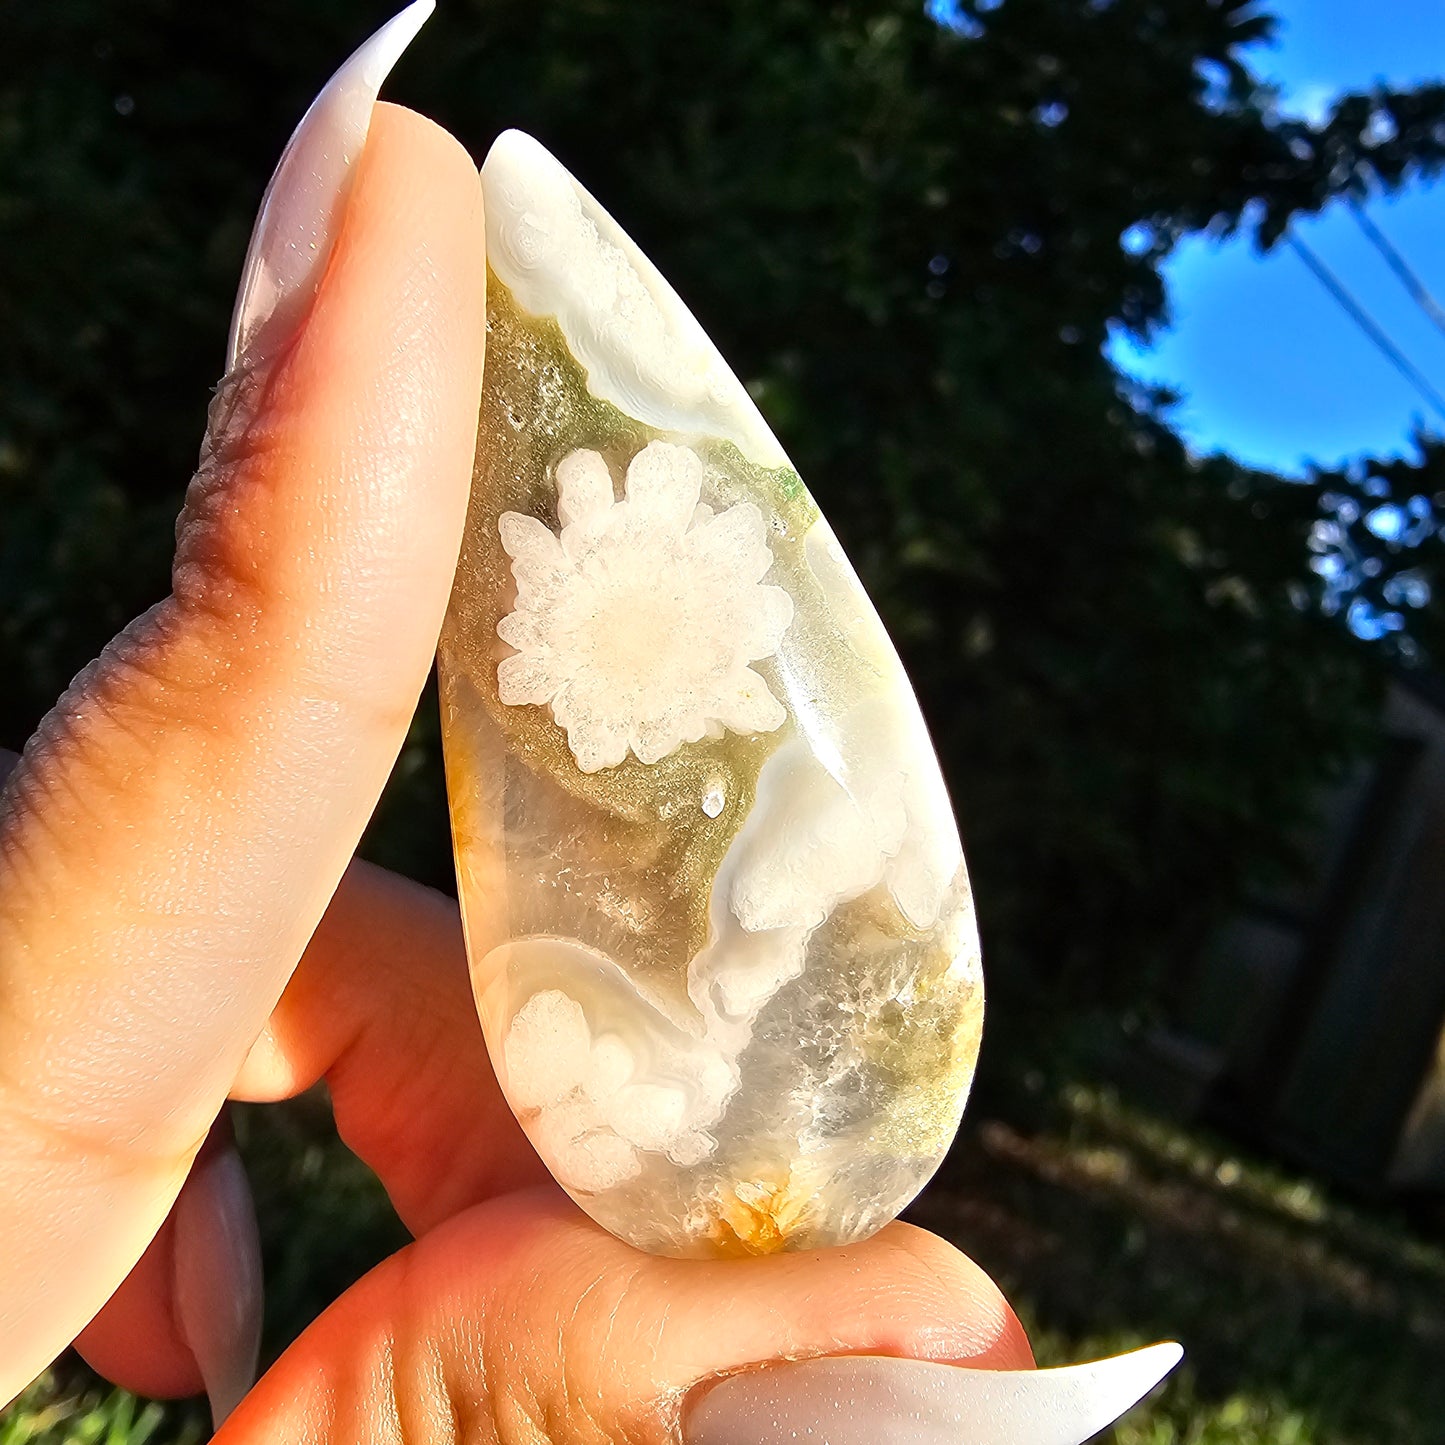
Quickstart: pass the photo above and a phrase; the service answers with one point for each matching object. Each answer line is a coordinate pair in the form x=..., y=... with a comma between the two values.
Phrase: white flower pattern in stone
x=637, y=623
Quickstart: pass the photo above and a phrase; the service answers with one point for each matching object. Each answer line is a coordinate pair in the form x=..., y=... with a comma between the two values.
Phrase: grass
x=1308, y=1319
x=1305, y=1317
x=66, y=1406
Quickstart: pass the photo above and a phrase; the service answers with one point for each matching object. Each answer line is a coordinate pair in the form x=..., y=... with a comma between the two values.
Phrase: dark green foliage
x=1378, y=548
x=909, y=244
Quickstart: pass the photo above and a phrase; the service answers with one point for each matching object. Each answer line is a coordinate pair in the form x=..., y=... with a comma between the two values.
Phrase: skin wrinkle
x=53, y=784
x=219, y=532
x=79, y=762
x=435, y=1415
x=225, y=548
x=408, y=1357
x=392, y=1143
x=394, y=1368
x=510, y=1390
x=490, y=1399
x=959, y=1347
x=669, y=1409
x=80, y=744
x=426, y=1028
x=26, y=881
x=188, y=823
x=240, y=396
x=593, y=1417
x=449, y=1358
x=374, y=1405
x=70, y=781
x=352, y=1041
x=456, y=1356
x=540, y=1370
x=560, y=1352
x=454, y=1411
x=645, y=1421
x=93, y=1086
x=73, y=1137
x=629, y=1284
x=72, y=759
x=516, y=1322
x=243, y=463
x=400, y=1145
x=164, y=651
x=573, y=1319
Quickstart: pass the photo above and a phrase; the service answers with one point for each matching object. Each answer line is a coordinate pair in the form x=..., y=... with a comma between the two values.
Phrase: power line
x=1408, y=278
x=1367, y=323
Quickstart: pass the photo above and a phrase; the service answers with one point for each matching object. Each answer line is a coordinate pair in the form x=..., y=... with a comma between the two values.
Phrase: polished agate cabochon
x=720, y=931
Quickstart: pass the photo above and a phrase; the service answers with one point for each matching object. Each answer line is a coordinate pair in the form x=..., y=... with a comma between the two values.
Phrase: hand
x=179, y=922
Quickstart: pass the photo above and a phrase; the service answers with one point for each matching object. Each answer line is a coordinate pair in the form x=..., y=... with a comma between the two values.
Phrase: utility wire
x=1367, y=323
x=1408, y=278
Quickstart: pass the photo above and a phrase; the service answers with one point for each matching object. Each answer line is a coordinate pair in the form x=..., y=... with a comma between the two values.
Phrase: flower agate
x=720, y=931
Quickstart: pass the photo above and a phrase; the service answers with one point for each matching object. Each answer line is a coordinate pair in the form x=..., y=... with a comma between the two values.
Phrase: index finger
x=179, y=823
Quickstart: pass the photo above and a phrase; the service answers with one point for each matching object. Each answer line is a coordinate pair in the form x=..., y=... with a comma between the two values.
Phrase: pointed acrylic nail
x=301, y=210
x=868, y=1400
x=218, y=1287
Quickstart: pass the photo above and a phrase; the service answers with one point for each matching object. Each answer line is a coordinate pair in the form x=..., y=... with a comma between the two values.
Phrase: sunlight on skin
x=195, y=797
x=172, y=838
x=524, y=1317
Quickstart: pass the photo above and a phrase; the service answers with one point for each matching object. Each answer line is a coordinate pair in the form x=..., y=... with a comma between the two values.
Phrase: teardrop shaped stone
x=720, y=931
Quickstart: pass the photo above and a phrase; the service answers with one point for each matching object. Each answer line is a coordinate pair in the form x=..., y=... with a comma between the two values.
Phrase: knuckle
x=85, y=736
x=155, y=674
x=225, y=534
x=552, y=1360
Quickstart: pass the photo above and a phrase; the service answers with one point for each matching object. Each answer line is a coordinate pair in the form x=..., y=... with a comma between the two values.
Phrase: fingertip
x=217, y=1278
x=411, y=128
x=952, y=1286
x=187, y=1317
x=134, y=1340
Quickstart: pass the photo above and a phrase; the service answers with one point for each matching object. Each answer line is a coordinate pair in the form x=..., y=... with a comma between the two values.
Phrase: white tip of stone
x=560, y=255
x=868, y=1400
x=516, y=147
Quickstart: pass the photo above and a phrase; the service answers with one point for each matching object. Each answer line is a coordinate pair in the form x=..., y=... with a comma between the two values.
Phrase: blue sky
x=1271, y=369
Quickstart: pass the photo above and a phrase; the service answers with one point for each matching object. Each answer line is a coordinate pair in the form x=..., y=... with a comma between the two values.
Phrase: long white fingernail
x=218, y=1288
x=301, y=210
x=868, y=1400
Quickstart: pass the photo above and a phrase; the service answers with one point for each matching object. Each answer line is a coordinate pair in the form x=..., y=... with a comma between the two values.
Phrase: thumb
x=520, y=1320
x=176, y=827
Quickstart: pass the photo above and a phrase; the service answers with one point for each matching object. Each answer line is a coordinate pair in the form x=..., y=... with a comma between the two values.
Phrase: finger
x=380, y=1007
x=521, y=1320
x=187, y=1317
x=176, y=828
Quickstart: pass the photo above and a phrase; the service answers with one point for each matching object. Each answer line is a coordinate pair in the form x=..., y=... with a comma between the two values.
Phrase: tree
x=907, y=237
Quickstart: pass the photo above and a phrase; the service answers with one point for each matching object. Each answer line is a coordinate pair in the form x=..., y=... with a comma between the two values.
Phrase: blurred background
x=1105, y=332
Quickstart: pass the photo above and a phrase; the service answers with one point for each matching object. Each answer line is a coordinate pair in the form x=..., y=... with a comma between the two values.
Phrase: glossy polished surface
x=721, y=934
